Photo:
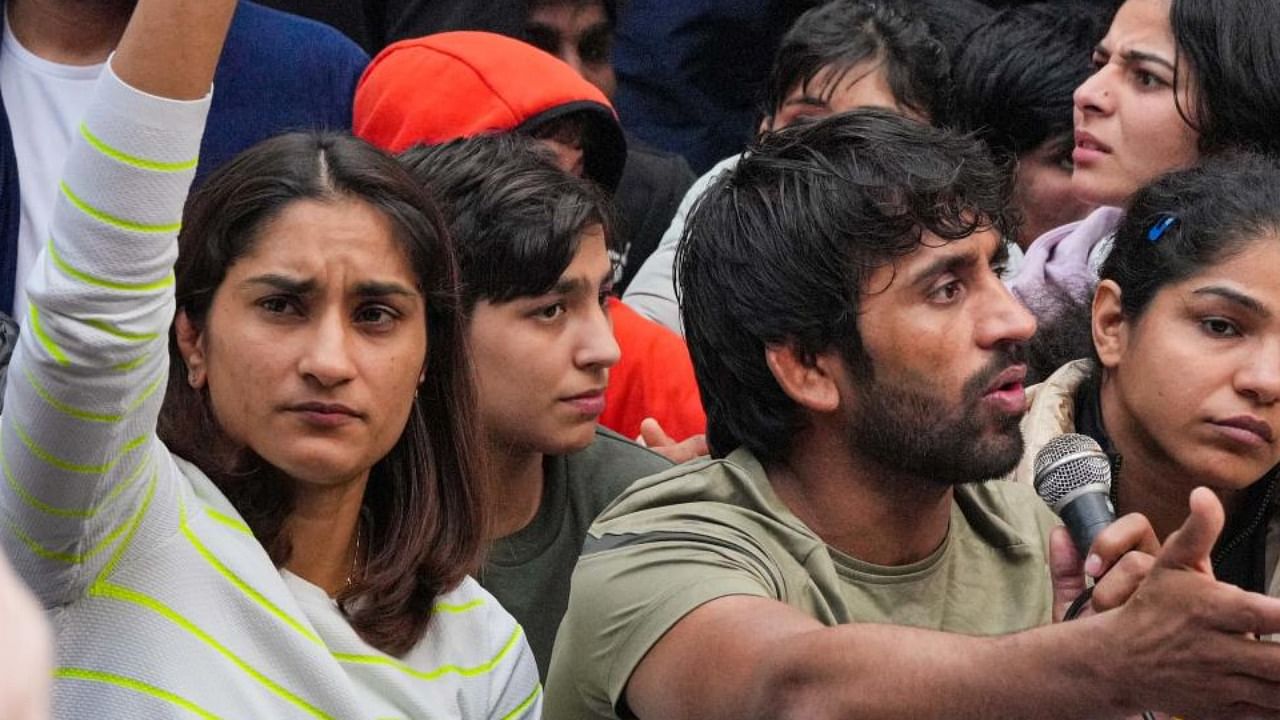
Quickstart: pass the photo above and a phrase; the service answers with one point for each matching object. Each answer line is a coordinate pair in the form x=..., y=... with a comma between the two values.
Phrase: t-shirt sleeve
x=515, y=691
x=627, y=592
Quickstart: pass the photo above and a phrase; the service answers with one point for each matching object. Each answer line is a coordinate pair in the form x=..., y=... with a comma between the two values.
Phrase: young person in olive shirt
x=858, y=356
x=533, y=245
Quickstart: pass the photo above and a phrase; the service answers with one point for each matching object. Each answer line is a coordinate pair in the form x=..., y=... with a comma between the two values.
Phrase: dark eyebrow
x=294, y=286
x=571, y=286
x=382, y=289
x=566, y=286
x=283, y=283
x=946, y=264
x=1136, y=56
x=1237, y=297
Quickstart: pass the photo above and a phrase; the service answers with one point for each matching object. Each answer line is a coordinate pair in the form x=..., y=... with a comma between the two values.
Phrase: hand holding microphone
x=1073, y=476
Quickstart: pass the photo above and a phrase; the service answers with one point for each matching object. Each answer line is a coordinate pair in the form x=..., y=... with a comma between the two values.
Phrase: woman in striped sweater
x=294, y=540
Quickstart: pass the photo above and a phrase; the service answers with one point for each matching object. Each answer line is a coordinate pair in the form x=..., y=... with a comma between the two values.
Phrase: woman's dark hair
x=1017, y=73
x=844, y=33
x=1232, y=48
x=425, y=502
x=515, y=217
x=780, y=249
x=1208, y=214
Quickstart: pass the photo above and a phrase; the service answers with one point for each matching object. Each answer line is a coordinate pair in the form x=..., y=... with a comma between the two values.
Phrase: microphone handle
x=1085, y=516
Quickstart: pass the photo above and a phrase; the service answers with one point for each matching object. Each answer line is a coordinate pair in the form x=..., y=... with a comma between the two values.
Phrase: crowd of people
x=429, y=384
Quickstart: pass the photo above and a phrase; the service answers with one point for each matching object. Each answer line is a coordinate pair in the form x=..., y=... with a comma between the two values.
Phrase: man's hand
x=656, y=439
x=1184, y=643
x=1121, y=557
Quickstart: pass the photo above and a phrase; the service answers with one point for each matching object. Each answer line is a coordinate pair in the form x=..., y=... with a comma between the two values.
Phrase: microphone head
x=1066, y=465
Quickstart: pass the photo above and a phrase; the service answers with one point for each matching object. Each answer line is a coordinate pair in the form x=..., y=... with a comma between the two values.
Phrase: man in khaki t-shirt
x=859, y=359
x=712, y=529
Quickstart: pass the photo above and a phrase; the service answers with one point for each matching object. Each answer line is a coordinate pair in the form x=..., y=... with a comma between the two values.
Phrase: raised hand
x=1185, y=642
x=656, y=439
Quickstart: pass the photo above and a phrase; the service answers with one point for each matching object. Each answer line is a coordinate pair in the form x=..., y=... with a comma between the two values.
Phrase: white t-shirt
x=45, y=102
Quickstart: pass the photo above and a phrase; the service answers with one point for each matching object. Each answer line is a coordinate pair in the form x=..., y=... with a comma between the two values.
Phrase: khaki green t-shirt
x=529, y=570
x=715, y=528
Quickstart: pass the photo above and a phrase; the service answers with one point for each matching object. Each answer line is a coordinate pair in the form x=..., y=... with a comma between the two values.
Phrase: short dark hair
x=842, y=33
x=1233, y=50
x=1015, y=77
x=426, y=497
x=779, y=250
x=1212, y=211
x=517, y=219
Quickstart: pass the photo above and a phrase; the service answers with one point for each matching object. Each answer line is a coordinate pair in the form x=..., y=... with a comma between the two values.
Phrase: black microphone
x=1073, y=476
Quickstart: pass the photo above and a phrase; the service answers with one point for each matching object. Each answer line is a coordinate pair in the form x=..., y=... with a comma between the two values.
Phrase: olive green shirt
x=715, y=528
x=529, y=570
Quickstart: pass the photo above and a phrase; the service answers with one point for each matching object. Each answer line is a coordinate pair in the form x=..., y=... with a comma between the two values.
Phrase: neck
x=322, y=531
x=858, y=507
x=517, y=479
x=1150, y=482
x=69, y=32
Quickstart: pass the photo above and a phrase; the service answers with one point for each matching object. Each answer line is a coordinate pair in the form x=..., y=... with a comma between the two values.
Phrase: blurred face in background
x=1129, y=128
x=834, y=91
x=1043, y=192
x=579, y=33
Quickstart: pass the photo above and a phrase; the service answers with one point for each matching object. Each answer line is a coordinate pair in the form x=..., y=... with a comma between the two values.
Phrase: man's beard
x=918, y=434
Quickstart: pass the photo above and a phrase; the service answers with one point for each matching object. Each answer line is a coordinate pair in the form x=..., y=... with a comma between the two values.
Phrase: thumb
x=653, y=435
x=1065, y=570
x=1189, y=546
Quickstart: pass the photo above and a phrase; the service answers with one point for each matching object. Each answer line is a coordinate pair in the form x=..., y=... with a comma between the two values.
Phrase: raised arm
x=171, y=47
x=82, y=469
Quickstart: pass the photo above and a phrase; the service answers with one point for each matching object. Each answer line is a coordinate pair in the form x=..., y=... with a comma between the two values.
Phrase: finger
x=1118, y=585
x=697, y=446
x=1239, y=612
x=683, y=451
x=1239, y=696
x=653, y=435
x=1129, y=533
x=1065, y=572
x=1189, y=546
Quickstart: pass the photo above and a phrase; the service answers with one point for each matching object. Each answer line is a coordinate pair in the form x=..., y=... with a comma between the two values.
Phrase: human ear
x=809, y=381
x=1110, y=327
x=191, y=345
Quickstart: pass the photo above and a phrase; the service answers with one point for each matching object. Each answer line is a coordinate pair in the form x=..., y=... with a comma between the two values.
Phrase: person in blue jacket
x=278, y=72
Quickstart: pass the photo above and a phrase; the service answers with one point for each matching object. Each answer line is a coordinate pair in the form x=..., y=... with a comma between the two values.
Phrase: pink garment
x=1058, y=264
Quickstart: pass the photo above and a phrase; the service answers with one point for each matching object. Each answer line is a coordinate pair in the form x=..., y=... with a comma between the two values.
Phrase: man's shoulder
x=713, y=497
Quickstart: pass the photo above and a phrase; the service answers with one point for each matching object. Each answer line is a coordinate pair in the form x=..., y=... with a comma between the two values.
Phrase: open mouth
x=1085, y=141
x=1008, y=391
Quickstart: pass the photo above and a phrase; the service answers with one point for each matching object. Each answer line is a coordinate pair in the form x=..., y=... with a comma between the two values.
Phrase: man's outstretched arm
x=1182, y=644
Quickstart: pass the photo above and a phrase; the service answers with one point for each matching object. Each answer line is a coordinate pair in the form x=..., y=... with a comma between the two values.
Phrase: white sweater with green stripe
x=164, y=604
